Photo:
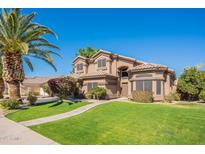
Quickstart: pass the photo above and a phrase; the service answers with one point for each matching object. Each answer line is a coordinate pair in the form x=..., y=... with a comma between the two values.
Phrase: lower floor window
x=144, y=85
x=92, y=85
x=158, y=87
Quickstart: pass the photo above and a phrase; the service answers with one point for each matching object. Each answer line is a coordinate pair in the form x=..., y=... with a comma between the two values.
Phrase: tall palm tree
x=2, y=87
x=20, y=39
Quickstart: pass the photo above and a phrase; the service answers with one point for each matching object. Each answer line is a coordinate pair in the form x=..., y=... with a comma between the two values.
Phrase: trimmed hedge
x=142, y=96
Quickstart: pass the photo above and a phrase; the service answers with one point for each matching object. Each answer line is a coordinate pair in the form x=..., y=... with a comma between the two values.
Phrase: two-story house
x=120, y=75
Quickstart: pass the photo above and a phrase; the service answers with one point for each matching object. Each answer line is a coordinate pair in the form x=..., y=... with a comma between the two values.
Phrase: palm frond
x=47, y=61
x=44, y=45
x=20, y=35
x=28, y=62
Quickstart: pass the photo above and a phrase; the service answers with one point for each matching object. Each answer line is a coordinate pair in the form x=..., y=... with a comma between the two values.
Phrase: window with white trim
x=144, y=85
x=101, y=63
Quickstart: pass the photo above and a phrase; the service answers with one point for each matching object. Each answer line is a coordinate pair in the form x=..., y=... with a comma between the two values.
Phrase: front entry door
x=124, y=92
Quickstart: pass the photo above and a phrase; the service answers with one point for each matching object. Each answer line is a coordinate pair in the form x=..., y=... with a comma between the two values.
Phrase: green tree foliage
x=191, y=83
x=202, y=95
x=87, y=52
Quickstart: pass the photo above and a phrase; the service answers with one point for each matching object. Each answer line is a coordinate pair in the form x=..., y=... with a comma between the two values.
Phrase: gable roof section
x=79, y=57
x=101, y=52
x=113, y=55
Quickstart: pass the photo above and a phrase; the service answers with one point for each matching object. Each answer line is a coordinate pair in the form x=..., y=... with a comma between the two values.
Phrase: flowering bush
x=63, y=87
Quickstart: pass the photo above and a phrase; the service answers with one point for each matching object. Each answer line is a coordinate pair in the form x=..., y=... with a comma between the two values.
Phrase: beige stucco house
x=120, y=75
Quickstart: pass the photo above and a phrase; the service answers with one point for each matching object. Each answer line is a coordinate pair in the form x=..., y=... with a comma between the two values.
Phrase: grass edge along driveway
x=129, y=123
x=43, y=110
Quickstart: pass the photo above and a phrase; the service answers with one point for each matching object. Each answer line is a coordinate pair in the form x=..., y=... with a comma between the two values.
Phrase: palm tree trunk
x=13, y=73
x=2, y=88
x=14, y=90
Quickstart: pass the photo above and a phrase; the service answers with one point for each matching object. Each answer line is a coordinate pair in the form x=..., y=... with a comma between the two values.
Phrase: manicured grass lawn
x=129, y=123
x=44, y=110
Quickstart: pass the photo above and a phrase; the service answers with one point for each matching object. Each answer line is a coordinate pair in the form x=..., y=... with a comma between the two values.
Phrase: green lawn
x=43, y=110
x=129, y=123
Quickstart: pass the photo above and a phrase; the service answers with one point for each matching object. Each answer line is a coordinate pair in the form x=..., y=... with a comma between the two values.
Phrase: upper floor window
x=102, y=62
x=80, y=67
x=124, y=73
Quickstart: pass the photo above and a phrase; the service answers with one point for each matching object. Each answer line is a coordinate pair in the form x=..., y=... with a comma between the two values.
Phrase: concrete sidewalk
x=12, y=133
x=68, y=114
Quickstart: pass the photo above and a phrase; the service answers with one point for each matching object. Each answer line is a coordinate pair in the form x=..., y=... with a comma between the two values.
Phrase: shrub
x=89, y=95
x=172, y=97
x=96, y=93
x=142, y=96
x=10, y=104
x=202, y=95
x=32, y=98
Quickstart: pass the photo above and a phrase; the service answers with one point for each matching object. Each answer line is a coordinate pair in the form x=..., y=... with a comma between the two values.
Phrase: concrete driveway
x=12, y=133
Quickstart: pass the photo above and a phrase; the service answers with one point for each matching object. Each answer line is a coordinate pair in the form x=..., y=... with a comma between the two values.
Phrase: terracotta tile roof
x=91, y=75
x=148, y=67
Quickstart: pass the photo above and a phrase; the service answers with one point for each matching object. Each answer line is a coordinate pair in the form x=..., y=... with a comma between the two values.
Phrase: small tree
x=191, y=83
x=63, y=87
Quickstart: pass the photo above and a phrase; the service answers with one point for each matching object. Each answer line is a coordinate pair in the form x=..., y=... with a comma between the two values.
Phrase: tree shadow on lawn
x=59, y=103
x=56, y=104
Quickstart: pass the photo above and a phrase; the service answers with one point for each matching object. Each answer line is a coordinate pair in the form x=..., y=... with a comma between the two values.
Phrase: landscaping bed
x=130, y=123
x=43, y=110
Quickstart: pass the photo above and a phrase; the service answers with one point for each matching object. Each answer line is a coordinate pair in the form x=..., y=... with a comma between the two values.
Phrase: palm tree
x=87, y=52
x=20, y=39
x=2, y=87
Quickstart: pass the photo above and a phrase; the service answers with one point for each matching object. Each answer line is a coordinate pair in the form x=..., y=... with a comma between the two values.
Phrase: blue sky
x=173, y=37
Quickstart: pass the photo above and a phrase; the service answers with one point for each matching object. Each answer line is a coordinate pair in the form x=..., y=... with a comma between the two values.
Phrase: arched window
x=124, y=73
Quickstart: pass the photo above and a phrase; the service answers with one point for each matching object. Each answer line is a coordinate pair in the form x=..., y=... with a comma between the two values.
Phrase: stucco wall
x=109, y=84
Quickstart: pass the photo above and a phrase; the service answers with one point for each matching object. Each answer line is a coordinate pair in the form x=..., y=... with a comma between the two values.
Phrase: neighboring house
x=120, y=75
x=34, y=84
